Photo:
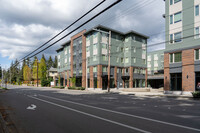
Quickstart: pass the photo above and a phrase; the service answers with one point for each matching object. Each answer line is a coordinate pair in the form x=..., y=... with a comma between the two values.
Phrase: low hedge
x=196, y=94
x=76, y=88
x=59, y=87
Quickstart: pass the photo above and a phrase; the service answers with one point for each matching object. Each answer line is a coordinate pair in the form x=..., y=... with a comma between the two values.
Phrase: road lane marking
x=121, y=113
x=32, y=107
x=94, y=116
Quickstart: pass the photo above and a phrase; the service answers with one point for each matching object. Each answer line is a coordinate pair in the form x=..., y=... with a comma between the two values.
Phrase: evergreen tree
x=55, y=62
x=42, y=69
x=28, y=62
x=34, y=68
x=50, y=63
x=27, y=73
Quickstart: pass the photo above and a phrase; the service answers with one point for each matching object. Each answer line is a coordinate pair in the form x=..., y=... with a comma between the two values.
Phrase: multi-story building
x=127, y=59
x=155, y=65
x=181, y=58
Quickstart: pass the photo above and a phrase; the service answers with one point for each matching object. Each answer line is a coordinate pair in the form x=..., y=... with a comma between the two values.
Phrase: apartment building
x=155, y=65
x=128, y=66
x=181, y=57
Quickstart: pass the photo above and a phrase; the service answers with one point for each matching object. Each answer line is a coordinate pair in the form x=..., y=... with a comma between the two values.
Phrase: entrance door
x=104, y=83
x=126, y=84
x=176, y=81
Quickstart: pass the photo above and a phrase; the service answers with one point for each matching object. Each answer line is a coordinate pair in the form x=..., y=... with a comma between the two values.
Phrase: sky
x=27, y=24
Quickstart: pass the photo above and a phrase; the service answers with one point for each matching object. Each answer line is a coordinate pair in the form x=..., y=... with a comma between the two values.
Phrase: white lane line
x=121, y=113
x=94, y=116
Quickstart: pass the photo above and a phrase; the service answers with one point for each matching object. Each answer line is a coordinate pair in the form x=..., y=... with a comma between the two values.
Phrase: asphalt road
x=51, y=111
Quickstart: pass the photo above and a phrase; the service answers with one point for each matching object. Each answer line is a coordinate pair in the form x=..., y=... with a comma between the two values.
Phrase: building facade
x=89, y=51
x=155, y=65
x=181, y=57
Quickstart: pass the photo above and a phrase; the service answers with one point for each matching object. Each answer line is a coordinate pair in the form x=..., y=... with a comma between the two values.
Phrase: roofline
x=66, y=43
x=116, y=31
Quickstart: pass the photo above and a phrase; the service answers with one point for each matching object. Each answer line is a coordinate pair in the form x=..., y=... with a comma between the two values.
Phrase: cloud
x=26, y=24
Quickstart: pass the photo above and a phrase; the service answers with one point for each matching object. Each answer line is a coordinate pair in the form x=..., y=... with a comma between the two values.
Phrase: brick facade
x=188, y=74
x=131, y=77
x=166, y=72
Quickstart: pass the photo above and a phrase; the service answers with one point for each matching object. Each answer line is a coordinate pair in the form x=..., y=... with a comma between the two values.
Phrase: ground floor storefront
x=181, y=71
x=119, y=78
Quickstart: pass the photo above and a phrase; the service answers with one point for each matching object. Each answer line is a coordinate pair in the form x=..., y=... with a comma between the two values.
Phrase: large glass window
x=177, y=57
x=104, y=69
x=104, y=46
x=104, y=57
x=171, y=19
x=197, y=54
x=171, y=38
x=126, y=60
x=177, y=17
x=171, y=2
x=197, y=32
x=177, y=37
x=197, y=10
x=94, y=69
x=122, y=60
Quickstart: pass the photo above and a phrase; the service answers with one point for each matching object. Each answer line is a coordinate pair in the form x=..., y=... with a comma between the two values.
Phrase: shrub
x=76, y=88
x=45, y=82
x=59, y=87
x=196, y=94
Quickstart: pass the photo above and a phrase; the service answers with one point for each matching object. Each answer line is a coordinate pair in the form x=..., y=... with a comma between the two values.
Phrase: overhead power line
x=65, y=29
x=110, y=6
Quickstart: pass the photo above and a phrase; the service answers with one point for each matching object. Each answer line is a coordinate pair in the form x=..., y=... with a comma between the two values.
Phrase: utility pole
x=37, y=73
x=109, y=46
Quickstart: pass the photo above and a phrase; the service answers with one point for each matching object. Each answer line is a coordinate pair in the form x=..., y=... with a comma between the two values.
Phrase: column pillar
x=131, y=77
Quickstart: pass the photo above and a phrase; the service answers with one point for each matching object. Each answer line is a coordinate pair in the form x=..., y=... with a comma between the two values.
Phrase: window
x=104, y=46
x=94, y=58
x=197, y=54
x=175, y=57
x=126, y=49
x=177, y=37
x=122, y=49
x=134, y=49
x=117, y=49
x=197, y=10
x=126, y=39
x=171, y=38
x=197, y=32
x=171, y=19
x=171, y=2
x=126, y=60
x=104, y=57
x=87, y=49
x=134, y=60
x=94, y=69
x=104, y=69
x=117, y=59
x=88, y=70
x=126, y=70
x=176, y=1
x=122, y=60
x=144, y=61
x=177, y=17
x=94, y=46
